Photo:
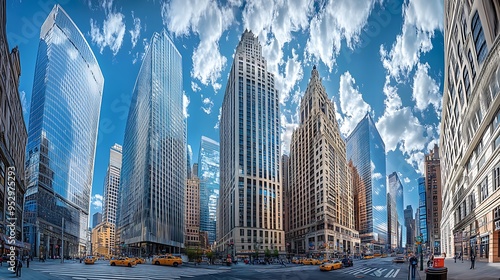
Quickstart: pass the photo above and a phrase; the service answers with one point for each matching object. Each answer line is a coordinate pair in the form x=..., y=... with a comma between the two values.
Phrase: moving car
x=399, y=259
x=368, y=257
x=311, y=261
x=347, y=262
x=90, y=260
x=336, y=264
x=167, y=260
x=140, y=260
x=122, y=261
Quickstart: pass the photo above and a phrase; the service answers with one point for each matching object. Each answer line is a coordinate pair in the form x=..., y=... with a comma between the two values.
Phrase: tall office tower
x=250, y=209
x=153, y=178
x=417, y=221
x=13, y=137
x=395, y=211
x=192, y=213
x=422, y=207
x=194, y=170
x=321, y=202
x=366, y=149
x=285, y=167
x=208, y=172
x=410, y=227
x=111, y=184
x=433, y=199
x=189, y=169
x=64, y=117
x=469, y=143
x=96, y=219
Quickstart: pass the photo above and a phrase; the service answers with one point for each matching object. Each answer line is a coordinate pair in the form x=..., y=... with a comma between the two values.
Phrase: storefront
x=21, y=248
x=495, y=246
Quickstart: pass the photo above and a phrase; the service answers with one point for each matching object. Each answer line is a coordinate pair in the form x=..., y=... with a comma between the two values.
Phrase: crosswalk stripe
x=396, y=273
x=389, y=274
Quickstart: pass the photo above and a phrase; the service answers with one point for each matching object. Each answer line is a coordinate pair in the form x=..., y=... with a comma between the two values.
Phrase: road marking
x=396, y=273
x=389, y=274
x=378, y=273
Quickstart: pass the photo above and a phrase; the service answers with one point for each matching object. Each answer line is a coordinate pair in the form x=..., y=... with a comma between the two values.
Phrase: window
x=496, y=176
x=479, y=40
x=467, y=83
x=472, y=66
x=484, y=189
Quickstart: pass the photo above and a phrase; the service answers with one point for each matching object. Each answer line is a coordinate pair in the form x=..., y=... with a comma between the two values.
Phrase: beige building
x=321, y=197
x=192, y=213
x=102, y=238
x=434, y=204
x=470, y=130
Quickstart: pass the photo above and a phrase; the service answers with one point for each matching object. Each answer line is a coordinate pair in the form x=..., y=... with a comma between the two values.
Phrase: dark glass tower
x=366, y=149
x=64, y=117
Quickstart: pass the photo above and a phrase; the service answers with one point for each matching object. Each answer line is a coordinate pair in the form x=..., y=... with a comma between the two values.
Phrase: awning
x=19, y=244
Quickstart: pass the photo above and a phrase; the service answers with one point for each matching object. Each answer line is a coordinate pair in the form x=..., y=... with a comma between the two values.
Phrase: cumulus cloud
x=293, y=73
x=208, y=20
x=185, y=104
x=336, y=20
x=24, y=102
x=216, y=126
x=406, y=180
x=112, y=32
x=288, y=126
x=353, y=107
x=207, y=105
x=96, y=201
x=135, y=33
x=425, y=89
x=421, y=20
x=195, y=87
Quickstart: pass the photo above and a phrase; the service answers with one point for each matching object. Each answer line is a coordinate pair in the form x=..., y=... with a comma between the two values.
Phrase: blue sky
x=385, y=57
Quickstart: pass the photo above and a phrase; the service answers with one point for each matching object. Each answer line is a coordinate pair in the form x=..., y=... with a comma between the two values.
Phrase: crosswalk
x=373, y=271
x=287, y=268
x=139, y=272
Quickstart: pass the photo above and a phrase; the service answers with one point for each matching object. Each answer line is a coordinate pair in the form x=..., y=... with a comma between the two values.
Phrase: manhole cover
x=359, y=276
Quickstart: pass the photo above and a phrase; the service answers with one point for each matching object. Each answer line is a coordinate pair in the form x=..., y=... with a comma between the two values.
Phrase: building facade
x=250, y=212
x=111, y=186
x=153, y=178
x=320, y=187
x=469, y=143
x=432, y=169
x=366, y=150
x=62, y=136
x=13, y=138
x=208, y=173
x=422, y=211
x=395, y=211
x=192, y=213
x=410, y=228
x=102, y=244
x=285, y=173
x=96, y=219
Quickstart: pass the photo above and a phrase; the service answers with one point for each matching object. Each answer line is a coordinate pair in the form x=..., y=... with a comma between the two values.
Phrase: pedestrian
x=455, y=257
x=283, y=263
x=461, y=257
x=1, y=261
x=19, y=266
x=413, y=265
x=472, y=260
x=28, y=262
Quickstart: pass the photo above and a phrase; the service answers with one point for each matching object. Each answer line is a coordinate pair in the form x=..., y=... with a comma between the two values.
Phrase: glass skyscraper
x=208, y=173
x=250, y=212
x=422, y=216
x=366, y=149
x=395, y=210
x=153, y=177
x=64, y=117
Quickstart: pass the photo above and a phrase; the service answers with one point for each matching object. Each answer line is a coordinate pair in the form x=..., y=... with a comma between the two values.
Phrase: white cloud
x=377, y=176
x=421, y=19
x=135, y=33
x=208, y=20
x=425, y=89
x=112, y=32
x=287, y=129
x=353, y=107
x=406, y=180
x=96, y=201
x=216, y=126
x=24, y=102
x=379, y=207
x=195, y=87
x=145, y=44
x=293, y=73
x=185, y=104
x=207, y=105
x=336, y=20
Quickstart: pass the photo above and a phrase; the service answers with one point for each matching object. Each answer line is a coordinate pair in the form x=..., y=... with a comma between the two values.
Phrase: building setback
x=13, y=137
x=250, y=212
x=153, y=178
x=320, y=187
x=366, y=151
x=64, y=118
x=469, y=143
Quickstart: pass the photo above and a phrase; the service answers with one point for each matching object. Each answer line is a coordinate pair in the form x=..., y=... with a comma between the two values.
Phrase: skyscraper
x=208, y=173
x=96, y=219
x=410, y=227
x=192, y=212
x=422, y=207
x=366, y=149
x=433, y=198
x=250, y=209
x=13, y=136
x=64, y=117
x=321, y=201
x=395, y=211
x=153, y=178
x=469, y=143
x=111, y=184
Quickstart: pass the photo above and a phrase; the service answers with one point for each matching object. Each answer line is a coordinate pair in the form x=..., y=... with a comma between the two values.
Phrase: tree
x=267, y=253
x=276, y=253
x=210, y=256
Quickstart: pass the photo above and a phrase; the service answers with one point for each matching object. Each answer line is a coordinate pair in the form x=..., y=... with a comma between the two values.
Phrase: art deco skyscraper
x=366, y=149
x=208, y=173
x=321, y=199
x=469, y=143
x=250, y=202
x=153, y=177
x=434, y=203
x=64, y=117
x=192, y=212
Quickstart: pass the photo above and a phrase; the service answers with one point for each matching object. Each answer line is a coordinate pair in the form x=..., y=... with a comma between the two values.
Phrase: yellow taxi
x=140, y=260
x=90, y=260
x=311, y=261
x=336, y=264
x=167, y=260
x=122, y=261
x=297, y=261
x=368, y=257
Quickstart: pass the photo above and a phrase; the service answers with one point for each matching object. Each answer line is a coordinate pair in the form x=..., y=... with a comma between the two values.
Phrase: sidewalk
x=29, y=273
x=461, y=270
